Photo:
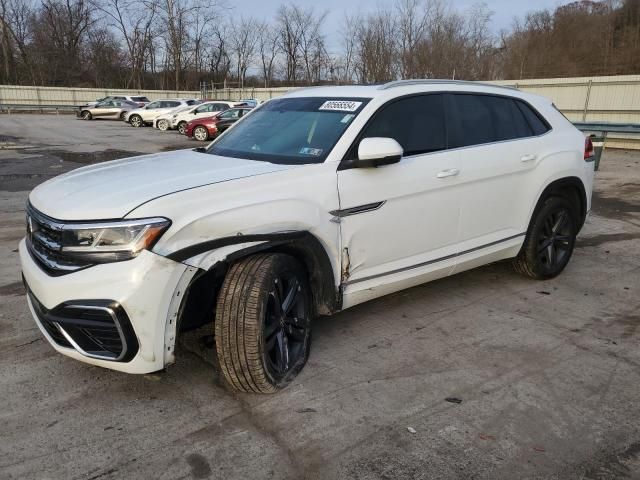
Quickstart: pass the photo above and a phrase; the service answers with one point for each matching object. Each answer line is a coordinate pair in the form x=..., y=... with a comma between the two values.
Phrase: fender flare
x=573, y=184
x=214, y=257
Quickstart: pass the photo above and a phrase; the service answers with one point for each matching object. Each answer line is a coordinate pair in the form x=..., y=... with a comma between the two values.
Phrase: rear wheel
x=263, y=323
x=201, y=133
x=163, y=125
x=182, y=127
x=86, y=115
x=135, y=120
x=550, y=240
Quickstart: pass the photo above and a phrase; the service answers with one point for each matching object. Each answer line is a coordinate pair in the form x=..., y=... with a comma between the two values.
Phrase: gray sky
x=504, y=10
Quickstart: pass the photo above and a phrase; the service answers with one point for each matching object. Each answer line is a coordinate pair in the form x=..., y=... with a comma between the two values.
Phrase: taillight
x=588, y=148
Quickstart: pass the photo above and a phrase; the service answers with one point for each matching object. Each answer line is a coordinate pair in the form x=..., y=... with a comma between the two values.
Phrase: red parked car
x=206, y=128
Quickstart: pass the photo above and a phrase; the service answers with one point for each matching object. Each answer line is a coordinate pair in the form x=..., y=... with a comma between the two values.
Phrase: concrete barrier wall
x=590, y=99
x=587, y=99
x=27, y=95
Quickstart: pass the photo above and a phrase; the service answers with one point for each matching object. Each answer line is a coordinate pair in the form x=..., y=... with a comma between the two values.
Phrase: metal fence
x=613, y=99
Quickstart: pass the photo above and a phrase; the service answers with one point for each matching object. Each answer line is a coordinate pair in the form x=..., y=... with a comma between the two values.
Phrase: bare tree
x=268, y=48
x=219, y=58
x=345, y=68
x=5, y=40
x=312, y=49
x=414, y=18
x=134, y=24
x=243, y=40
x=376, y=48
x=289, y=40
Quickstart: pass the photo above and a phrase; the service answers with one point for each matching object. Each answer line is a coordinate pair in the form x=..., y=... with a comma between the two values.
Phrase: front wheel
x=135, y=120
x=86, y=115
x=550, y=240
x=263, y=323
x=182, y=127
x=201, y=133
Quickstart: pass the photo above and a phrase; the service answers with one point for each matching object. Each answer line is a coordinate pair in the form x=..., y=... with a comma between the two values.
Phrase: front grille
x=44, y=242
x=95, y=328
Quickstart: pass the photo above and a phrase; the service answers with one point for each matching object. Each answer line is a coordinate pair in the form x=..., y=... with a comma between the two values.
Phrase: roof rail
x=426, y=81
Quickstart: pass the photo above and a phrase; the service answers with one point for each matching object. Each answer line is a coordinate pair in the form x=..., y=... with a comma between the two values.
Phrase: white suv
x=316, y=202
x=146, y=115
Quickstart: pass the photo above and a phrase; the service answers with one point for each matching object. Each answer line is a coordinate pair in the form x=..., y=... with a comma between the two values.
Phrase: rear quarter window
x=534, y=119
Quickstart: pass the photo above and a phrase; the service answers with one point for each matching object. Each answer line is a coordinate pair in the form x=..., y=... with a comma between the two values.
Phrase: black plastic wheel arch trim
x=193, y=250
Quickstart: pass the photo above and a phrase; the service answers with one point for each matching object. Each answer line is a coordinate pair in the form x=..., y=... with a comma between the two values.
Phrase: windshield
x=290, y=130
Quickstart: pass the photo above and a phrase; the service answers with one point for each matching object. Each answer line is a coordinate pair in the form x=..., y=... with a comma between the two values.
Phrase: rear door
x=399, y=223
x=228, y=118
x=499, y=151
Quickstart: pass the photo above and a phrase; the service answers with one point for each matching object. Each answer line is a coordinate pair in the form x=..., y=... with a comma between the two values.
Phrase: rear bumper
x=141, y=295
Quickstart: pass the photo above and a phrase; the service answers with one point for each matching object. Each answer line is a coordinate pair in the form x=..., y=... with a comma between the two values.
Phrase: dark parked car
x=206, y=128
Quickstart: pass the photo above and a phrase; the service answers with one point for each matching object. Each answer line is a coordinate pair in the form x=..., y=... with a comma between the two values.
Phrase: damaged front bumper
x=120, y=315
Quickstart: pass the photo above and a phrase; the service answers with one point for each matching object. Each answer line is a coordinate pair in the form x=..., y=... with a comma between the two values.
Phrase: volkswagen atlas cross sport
x=315, y=202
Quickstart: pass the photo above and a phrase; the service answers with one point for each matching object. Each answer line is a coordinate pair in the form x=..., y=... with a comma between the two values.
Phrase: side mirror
x=378, y=151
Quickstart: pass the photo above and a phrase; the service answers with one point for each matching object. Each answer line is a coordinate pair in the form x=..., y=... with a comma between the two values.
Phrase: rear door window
x=489, y=118
x=417, y=123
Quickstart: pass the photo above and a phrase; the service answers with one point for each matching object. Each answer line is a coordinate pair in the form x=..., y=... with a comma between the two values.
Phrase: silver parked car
x=110, y=109
x=140, y=100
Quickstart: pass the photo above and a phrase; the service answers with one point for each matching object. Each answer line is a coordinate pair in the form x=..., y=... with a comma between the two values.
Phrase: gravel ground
x=546, y=374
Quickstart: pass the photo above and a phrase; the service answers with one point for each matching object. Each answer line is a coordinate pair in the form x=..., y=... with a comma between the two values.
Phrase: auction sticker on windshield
x=340, y=106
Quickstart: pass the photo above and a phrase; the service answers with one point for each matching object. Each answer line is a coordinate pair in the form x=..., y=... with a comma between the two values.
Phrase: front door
x=399, y=223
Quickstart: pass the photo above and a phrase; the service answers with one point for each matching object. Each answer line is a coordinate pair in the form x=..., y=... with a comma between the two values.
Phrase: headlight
x=111, y=241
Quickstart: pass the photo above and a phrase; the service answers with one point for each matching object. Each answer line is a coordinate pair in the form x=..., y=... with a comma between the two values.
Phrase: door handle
x=528, y=158
x=451, y=172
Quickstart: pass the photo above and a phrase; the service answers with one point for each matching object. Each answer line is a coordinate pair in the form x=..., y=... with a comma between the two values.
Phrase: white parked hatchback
x=317, y=201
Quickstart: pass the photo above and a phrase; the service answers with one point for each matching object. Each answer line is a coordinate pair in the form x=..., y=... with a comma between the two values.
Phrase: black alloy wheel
x=263, y=322
x=550, y=240
x=286, y=325
x=555, y=238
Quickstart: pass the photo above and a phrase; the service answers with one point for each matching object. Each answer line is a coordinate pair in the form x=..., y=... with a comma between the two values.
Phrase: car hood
x=113, y=189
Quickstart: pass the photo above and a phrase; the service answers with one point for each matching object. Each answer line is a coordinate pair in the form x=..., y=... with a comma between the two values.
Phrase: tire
x=201, y=133
x=182, y=126
x=122, y=115
x=550, y=240
x=86, y=115
x=136, y=121
x=261, y=346
x=163, y=125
